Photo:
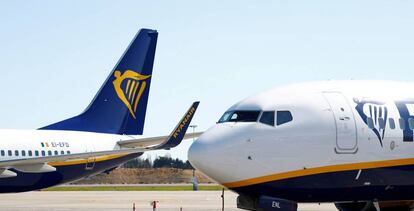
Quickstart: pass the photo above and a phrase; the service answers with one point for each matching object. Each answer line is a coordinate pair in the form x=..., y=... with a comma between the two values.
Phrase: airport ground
x=123, y=201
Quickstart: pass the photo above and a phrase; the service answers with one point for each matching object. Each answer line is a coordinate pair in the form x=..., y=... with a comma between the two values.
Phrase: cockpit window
x=240, y=116
x=283, y=117
x=225, y=117
x=268, y=118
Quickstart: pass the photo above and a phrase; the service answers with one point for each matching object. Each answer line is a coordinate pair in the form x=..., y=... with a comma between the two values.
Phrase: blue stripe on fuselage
x=383, y=184
x=63, y=174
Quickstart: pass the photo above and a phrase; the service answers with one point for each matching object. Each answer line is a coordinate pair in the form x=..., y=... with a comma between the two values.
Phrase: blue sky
x=54, y=55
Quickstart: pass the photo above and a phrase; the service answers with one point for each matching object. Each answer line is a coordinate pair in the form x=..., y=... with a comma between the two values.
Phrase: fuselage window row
x=32, y=153
x=391, y=123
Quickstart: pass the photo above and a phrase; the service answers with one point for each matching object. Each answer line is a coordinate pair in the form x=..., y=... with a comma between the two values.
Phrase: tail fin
x=120, y=105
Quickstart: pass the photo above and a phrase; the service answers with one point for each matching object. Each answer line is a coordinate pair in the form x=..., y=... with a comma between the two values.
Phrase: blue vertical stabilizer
x=120, y=105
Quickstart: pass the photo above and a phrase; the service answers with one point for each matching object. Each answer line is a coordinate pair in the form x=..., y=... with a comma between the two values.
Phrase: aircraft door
x=90, y=161
x=346, y=137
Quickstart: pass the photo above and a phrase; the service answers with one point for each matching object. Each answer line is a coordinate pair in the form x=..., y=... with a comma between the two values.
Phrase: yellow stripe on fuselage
x=84, y=161
x=320, y=170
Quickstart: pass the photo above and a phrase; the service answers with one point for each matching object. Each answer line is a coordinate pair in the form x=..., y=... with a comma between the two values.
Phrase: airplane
x=343, y=142
x=97, y=140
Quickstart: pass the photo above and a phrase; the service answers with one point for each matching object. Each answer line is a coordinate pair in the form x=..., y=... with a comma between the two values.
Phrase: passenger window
x=9, y=153
x=268, y=118
x=381, y=122
x=411, y=123
x=370, y=122
x=283, y=117
x=43, y=153
x=62, y=152
x=68, y=152
x=402, y=124
x=16, y=152
x=56, y=152
x=49, y=153
x=23, y=153
x=30, y=153
x=2, y=153
x=392, y=123
x=37, y=153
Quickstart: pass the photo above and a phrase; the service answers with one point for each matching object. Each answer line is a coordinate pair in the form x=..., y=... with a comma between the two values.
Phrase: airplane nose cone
x=210, y=154
x=198, y=154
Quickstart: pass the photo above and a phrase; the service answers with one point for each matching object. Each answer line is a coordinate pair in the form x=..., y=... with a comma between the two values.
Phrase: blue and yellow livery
x=95, y=140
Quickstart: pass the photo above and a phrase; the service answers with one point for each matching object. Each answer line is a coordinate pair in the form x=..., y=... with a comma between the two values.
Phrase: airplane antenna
x=193, y=127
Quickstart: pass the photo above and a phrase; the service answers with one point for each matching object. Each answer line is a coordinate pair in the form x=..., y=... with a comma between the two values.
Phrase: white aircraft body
x=99, y=139
x=347, y=142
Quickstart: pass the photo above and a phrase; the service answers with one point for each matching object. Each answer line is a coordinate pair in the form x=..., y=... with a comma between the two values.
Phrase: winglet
x=179, y=131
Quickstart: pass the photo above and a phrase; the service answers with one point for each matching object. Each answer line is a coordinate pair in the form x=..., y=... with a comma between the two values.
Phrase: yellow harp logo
x=132, y=92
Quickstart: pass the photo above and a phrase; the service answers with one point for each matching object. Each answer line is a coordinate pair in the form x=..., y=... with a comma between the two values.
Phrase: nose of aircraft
x=200, y=153
x=210, y=154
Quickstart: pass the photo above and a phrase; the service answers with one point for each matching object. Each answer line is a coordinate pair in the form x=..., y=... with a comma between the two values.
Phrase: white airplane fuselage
x=36, y=144
x=70, y=142
x=344, y=141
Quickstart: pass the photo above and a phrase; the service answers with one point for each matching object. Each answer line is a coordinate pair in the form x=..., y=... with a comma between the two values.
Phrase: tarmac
x=124, y=200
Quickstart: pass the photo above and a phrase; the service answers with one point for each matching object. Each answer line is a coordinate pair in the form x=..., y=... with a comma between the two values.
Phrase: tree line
x=159, y=162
